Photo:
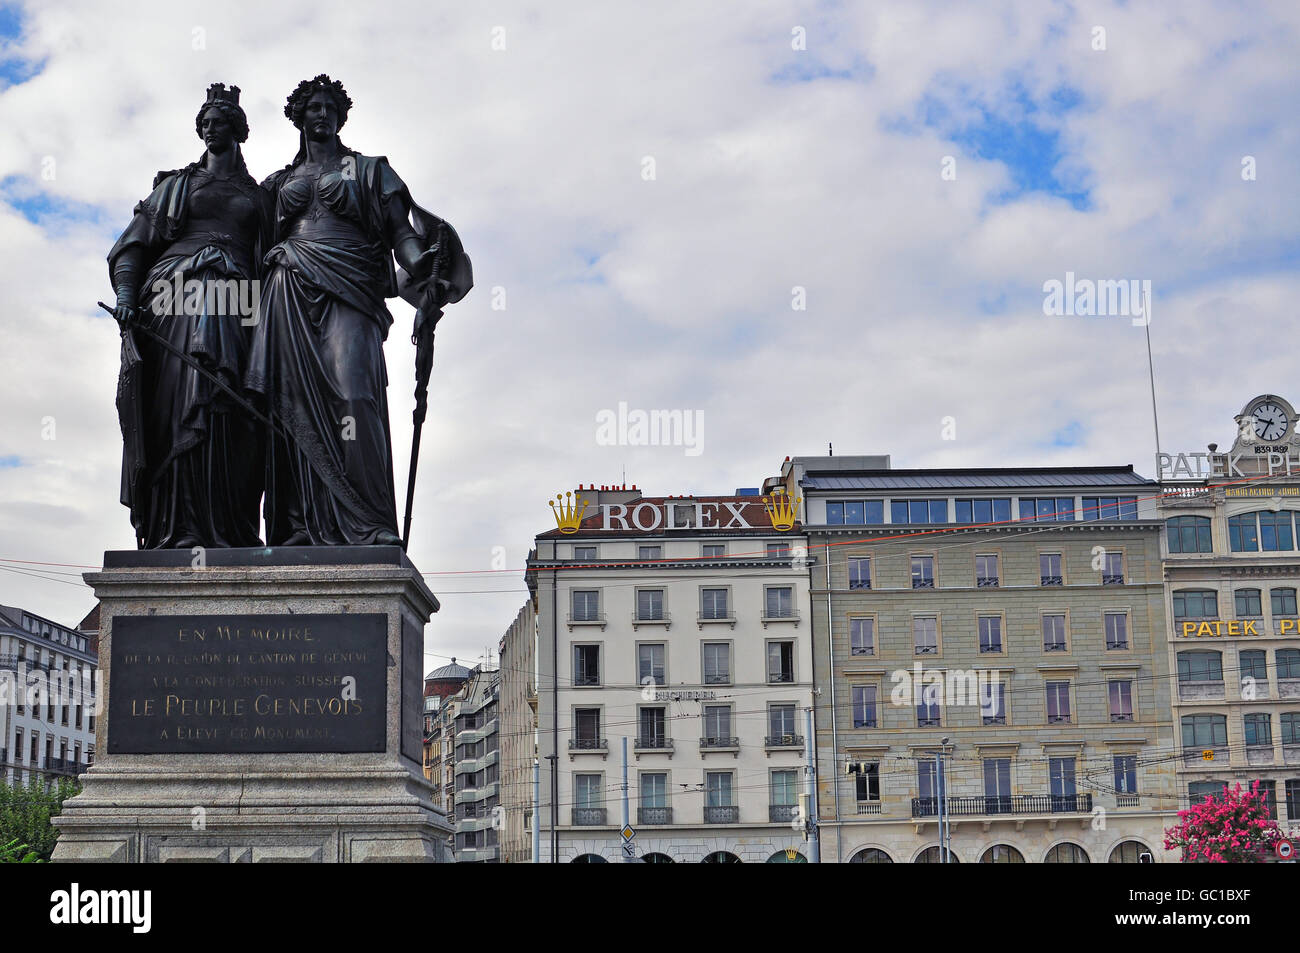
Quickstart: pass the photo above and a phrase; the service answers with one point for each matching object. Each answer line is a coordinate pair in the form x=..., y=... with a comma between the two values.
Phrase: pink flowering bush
x=1232, y=829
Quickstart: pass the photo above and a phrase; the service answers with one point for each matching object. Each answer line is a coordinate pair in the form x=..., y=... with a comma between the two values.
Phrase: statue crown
x=217, y=92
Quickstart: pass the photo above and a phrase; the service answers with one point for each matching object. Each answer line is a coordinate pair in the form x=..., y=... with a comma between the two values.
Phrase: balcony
x=1121, y=716
x=653, y=743
x=928, y=722
x=1011, y=804
x=1063, y=719
x=783, y=741
x=992, y=648
x=708, y=618
x=1054, y=647
x=922, y=583
x=651, y=618
x=719, y=743
x=598, y=746
x=588, y=817
x=926, y=650
x=654, y=815
x=722, y=815
x=779, y=678
x=859, y=583
x=717, y=678
x=868, y=807
x=1108, y=579
x=586, y=680
x=995, y=719
x=781, y=813
x=1127, y=800
x=782, y=617
x=1051, y=580
x=986, y=582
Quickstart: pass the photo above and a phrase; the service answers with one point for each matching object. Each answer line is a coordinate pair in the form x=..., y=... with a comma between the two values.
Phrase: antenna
x=830, y=449
x=1151, y=370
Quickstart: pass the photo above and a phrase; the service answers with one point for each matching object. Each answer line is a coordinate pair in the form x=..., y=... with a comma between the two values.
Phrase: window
x=862, y=636
x=1282, y=601
x=1126, y=774
x=588, y=791
x=1204, y=731
x=918, y=511
x=1060, y=773
x=927, y=783
x=586, y=728
x=1200, y=666
x=1054, y=632
x=925, y=634
x=864, y=706
x=854, y=512
x=1243, y=533
x=1288, y=664
x=780, y=602
x=644, y=553
x=586, y=605
x=1199, y=791
x=654, y=789
x=1066, y=853
x=785, y=793
x=1253, y=663
x=717, y=725
x=990, y=629
x=997, y=785
x=650, y=605
x=984, y=510
x=19, y=750
x=653, y=725
x=1049, y=569
x=1275, y=531
x=859, y=572
x=713, y=550
x=867, y=787
x=993, y=707
x=1196, y=604
x=922, y=572
x=717, y=663
x=1259, y=729
x=584, y=552
x=1189, y=534
x=780, y=662
x=1112, y=571
x=778, y=550
x=586, y=665
x=650, y=663
x=713, y=603
x=1048, y=509
x=1110, y=508
x=986, y=571
x=1058, y=703
x=1116, y=630
x=717, y=789
x=1293, y=799
x=1268, y=794
x=927, y=710
x=1291, y=735
x=1121, y=701
x=780, y=723
x=1247, y=603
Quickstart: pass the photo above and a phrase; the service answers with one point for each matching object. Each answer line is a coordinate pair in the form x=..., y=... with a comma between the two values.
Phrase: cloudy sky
x=807, y=222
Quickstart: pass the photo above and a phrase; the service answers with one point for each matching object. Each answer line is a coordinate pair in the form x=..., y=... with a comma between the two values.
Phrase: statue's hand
x=126, y=309
x=422, y=267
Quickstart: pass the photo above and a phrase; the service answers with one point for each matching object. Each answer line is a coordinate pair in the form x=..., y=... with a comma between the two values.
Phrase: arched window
x=1067, y=853
x=1288, y=663
x=933, y=855
x=656, y=859
x=1002, y=854
x=589, y=859
x=871, y=855
x=1200, y=666
x=1248, y=604
x=1195, y=604
x=721, y=857
x=1131, y=852
x=787, y=856
x=1189, y=534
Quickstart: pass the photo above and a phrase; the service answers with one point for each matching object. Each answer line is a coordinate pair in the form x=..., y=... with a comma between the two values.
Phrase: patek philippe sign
x=1281, y=460
x=1212, y=628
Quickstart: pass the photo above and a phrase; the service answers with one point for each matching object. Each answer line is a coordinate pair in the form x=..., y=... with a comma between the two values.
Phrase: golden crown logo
x=783, y=510
x=791, y=853
x=568, y=516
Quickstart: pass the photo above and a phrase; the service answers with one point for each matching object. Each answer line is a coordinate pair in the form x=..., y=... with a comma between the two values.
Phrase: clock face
x=1270, y=421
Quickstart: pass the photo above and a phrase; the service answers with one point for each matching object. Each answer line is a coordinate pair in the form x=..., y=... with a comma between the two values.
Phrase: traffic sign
x=1283, y=849
x=627, y=832
x=628, y=849
x=1207, y=754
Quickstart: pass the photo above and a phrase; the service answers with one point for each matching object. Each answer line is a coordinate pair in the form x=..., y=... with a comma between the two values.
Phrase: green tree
x=25, y=814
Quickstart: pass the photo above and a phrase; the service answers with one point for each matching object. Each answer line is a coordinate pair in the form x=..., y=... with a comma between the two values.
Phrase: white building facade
x=681, y=626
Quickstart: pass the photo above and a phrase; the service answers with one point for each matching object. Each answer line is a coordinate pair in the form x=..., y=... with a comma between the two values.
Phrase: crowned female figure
x=185, y=272
x=317, y=352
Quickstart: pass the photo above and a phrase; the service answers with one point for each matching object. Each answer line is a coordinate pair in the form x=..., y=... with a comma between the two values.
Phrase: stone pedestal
x=262, y=705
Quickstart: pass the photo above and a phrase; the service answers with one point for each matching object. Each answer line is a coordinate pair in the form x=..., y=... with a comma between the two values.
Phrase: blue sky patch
x=10, y=462
x=43, y=208
x=13, y=69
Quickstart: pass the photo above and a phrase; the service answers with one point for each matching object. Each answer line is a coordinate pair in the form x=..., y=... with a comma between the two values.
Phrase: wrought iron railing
x=588, y=816
x=986, y=582
x=1004, y=804
x=654, y=815
x=588, y=744
x=722, y=815
x=1051, y=580
x=719, y=741
x=654, y=743
x=781, y=813
x=783, y=741
x=1112, y=579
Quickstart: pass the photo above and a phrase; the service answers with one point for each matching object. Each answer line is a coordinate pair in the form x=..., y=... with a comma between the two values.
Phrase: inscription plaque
x=234, y=684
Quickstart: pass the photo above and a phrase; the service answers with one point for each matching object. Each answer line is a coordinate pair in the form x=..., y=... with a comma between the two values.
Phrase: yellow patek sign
x=1231, y=627
x=1207, y=755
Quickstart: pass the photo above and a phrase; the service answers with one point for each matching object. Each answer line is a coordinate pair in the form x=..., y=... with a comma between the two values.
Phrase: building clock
x=1271, y=421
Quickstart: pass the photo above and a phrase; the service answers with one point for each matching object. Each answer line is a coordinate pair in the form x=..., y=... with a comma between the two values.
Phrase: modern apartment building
x=477, y=768
x=1232, y=565
x=441, y=687
x=55, y=737
x=517, y=711
x=1009, y=623
x=681, y=627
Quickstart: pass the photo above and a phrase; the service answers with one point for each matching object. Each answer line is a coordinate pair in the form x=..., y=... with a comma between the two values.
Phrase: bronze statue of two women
x=283, y=394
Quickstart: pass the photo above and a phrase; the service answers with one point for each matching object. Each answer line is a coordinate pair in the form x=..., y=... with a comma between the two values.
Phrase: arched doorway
x=589, y=859
x=1131, y=852
x=1067, y=853
x=657, y=859
x=871, y=855
x=1002, y=854
x=721, y=857
x=933, y=855
x=788, y=856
